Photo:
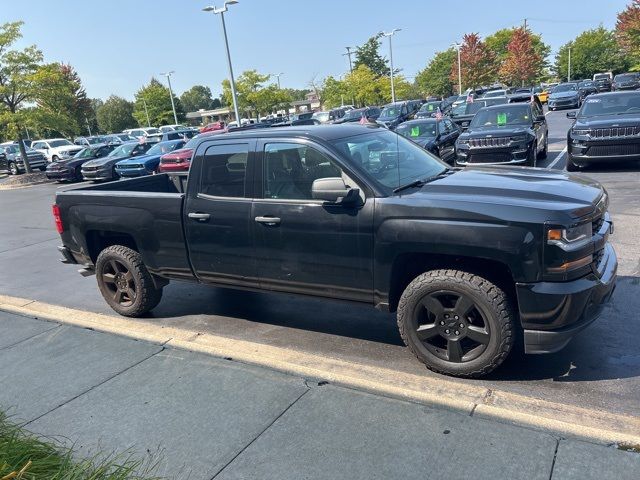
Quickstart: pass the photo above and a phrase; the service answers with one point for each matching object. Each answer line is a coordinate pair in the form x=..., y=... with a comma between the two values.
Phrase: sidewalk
x=207, y=417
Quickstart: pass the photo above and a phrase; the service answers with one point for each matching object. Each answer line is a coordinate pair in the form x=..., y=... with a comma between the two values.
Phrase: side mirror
x=571, y=114
x=540, y=118
x=334, y=190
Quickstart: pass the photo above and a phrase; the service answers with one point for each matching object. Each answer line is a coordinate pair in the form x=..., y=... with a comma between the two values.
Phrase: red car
x=212, y=127
x=180, y=160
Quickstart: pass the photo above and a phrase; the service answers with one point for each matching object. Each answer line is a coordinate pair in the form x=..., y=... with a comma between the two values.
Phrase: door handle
x=270, y=221
x=201, y=217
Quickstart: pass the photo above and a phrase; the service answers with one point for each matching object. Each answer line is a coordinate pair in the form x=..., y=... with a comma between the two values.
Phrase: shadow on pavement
x=606, y=350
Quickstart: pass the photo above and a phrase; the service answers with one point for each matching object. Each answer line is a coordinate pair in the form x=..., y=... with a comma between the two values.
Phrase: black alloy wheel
x=119, y=281
x=13, y=168
x=451, y=326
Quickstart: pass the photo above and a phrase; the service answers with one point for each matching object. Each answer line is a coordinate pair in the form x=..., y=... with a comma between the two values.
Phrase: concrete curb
x=564, y=420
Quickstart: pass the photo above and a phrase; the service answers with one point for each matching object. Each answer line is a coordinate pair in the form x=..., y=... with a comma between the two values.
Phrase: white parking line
x=557, y=159
x=548, y=112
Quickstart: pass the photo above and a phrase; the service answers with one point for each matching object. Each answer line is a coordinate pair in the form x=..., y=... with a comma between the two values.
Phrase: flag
x=533, y=100
x=439, y=114
x=363, y=120
x=469, y=98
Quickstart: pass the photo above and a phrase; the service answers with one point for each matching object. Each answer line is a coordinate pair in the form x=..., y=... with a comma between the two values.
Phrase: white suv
x=55, y=149
x=141, y=132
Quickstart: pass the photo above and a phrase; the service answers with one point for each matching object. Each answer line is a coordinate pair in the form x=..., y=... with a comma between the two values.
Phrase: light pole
x=221, y=11
x=569, y=67
x=146, y=112
x=457, y=46
x=389, y=35
x=173, y=105
x=277, y=75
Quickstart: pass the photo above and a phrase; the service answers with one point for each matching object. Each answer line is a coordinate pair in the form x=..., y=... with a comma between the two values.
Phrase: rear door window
x=224, y=170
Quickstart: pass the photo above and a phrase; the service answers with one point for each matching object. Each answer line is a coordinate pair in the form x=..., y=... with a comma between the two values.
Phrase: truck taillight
x=56, y=216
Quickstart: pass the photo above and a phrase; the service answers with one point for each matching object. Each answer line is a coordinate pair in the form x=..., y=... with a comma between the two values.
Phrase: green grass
x=25, y=456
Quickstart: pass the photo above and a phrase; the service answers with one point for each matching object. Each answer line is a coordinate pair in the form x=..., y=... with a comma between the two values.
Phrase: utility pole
x=348, y=54
x=88, y=126
x=525, y=24
x=457, y=46
x=173, y=105
x=146, y=112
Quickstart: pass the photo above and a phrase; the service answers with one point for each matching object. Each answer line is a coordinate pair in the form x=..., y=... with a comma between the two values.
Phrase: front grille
x=615, y=132
x=563, y=103
x=489, y=158
x=125, y=167
x=597, y=258
x=614, y=150
x=90, y=169
x=170, y=160
x=489, y=142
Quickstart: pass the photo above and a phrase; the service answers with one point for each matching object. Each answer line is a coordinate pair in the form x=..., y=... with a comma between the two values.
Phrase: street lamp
x=277, y=75
x=457, y=46
x=173, y=105
x=221, y=11
x=569, y=66
x=390, y=34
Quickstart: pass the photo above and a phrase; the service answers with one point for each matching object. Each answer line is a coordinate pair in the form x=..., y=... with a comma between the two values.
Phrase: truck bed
x=144, y=213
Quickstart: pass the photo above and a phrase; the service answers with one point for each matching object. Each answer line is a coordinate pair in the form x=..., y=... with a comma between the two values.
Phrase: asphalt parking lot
x=600, y=369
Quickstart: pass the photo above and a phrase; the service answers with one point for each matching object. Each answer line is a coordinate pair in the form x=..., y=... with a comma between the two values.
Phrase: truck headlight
x=570, y=238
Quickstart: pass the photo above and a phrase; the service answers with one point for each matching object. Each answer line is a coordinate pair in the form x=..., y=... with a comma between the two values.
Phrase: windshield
x=601, y=76
x=85, y=153
x=59, y=143
x=123, y=150
x=430, y=107
x=495, y=93
x=152, y=131
x=629, y=77
x=467, y=108
x=353, y=114
x=391, y=111
x=585, y=84
x=163, y=147
x=389, y=159
x=321, y=116
x=418, y=129
x=502, y=117
x=565, y=87
x=95, y=140
x=618, y=104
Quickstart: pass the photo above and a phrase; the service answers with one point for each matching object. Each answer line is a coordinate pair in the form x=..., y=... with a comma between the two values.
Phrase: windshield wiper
x=422, y=182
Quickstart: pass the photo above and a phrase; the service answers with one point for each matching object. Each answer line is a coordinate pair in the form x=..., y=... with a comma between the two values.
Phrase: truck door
x=305, y=245
x=216, y=215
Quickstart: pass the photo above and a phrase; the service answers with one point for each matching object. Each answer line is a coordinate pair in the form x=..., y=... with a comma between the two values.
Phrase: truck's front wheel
x=125, y=282
x=456, y=323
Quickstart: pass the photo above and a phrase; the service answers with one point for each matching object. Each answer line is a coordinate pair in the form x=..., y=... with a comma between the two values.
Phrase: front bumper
x=99, y=175
x=60, y=174
x=132, y=172
x=174, y=167
x=584, y=151
x=564, y=103
x=552, y=313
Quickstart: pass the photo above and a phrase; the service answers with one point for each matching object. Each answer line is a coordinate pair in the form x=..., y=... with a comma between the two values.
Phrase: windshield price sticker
x=430, y=107
x=502, y=119
x=415, y=131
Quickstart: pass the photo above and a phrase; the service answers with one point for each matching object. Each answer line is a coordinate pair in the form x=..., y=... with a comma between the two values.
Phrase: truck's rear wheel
x=456, y=323
x=125, y=282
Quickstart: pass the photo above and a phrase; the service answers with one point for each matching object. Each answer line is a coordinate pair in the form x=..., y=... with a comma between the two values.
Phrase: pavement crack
x=49, y=330
x=553, y=461
x=475, y=405
x=260, y=434
x=95, y=386
x=27, y=245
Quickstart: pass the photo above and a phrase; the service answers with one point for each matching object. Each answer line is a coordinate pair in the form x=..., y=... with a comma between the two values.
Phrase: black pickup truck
x=472, y=260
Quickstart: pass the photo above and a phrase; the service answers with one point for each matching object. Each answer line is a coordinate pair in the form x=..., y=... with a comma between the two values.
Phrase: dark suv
x=393, y=114
x=515, y=133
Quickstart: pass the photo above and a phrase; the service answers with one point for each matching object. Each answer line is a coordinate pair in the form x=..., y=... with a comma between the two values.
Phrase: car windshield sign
x=388, y=159
x=496, y=117
x=415, y=130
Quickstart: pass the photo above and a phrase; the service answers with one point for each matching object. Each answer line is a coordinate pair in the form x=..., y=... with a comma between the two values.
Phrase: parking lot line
x=557, y=159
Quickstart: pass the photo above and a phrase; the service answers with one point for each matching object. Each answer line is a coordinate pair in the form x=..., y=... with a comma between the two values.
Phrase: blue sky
x=117, y=45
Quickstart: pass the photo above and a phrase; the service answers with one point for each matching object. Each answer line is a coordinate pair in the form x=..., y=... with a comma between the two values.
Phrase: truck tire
x=456, y=323
x=13, y=168
x=125, y=283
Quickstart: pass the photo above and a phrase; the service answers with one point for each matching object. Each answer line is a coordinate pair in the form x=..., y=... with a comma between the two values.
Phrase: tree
x=368, y=54
x=522, y=64
x=158, y=105
x=253, y=94
x=331, y=92
x=95, y=103
x=17, y=83
x=115, y=115
x=628, y=32
x=592, y=51
x=478, y=63
x=196, y=98
x=499, y=41
x=435, y=78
